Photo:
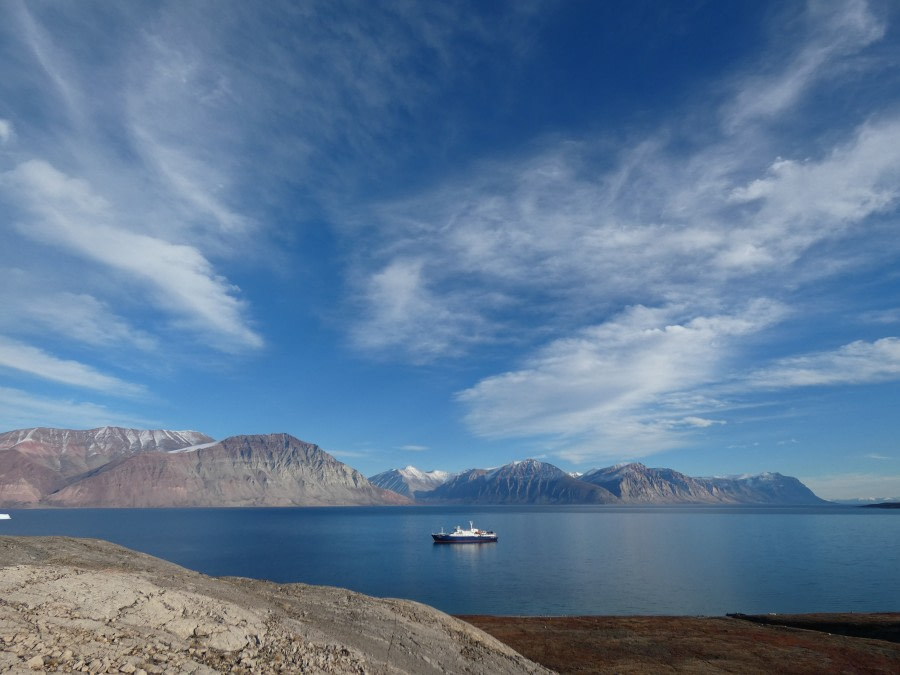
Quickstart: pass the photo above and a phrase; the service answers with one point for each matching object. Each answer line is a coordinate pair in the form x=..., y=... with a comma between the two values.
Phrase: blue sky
x=459, y=234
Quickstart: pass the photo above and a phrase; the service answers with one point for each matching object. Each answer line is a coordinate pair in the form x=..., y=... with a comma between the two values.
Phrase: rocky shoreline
x=83, y=605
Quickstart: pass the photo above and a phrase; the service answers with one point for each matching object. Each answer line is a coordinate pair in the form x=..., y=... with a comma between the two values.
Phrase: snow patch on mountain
x=192, y=448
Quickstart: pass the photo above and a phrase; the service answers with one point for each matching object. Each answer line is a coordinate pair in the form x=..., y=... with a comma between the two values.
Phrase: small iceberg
x=4, y=516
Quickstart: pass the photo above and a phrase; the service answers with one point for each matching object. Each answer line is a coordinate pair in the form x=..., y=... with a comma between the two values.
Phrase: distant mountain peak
x=527, y=481
x=115, y=467
x=412, y=472
x=526, y=466
x=409, y=480
x=534, y=481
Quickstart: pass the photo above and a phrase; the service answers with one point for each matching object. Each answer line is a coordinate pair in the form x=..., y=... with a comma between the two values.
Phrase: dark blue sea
x=548, y=561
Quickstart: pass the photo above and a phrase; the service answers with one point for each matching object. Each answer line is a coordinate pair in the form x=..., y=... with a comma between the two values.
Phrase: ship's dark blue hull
x=448, y=539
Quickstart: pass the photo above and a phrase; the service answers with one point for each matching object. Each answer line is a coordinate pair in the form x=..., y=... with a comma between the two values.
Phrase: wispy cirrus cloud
x=887, y=316
x=31, y=310
x=801, y=203
x=828, y=34
x=546, y=246
x=550, y=242
x=21, y=409
x=402, y=310
x=547, y=236
x=163, y=125
x=154, y=148
x=141, y=221
x=38, y=363
x=621, y=382
x=66, y=212
x=859, y=362
x=6, y=131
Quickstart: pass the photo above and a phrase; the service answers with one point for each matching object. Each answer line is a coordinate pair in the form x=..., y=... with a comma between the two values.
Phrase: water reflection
x=575, y=560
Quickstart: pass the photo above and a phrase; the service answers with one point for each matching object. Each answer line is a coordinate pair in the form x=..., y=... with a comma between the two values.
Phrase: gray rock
x=110, y=606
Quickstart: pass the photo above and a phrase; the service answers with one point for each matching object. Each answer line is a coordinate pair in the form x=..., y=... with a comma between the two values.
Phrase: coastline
x=86, y=605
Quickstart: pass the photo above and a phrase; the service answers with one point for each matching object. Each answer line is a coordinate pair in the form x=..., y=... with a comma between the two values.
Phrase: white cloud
x=38, y=363
x=414, y=448
x=560, y=239
x=20, y=409
x=30, y=309
x=859, y=362
x=45, y=51
x=142, y=197
x=802, y=203
x=700, y=422
x=6, y=131
x=67, y=213
x=196, y=184
x=834, y=31
x=885, y=316
x=352, y=454
x=401, y=310
x=619, y=382
x=546, y=237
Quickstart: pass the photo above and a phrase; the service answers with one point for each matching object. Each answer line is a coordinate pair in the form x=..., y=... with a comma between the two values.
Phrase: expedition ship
x=460, y=536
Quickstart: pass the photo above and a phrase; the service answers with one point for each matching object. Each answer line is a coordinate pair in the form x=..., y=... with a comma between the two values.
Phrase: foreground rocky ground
x=79, y=605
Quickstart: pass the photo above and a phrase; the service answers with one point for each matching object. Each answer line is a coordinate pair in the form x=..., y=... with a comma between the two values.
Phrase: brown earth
x=737, y=644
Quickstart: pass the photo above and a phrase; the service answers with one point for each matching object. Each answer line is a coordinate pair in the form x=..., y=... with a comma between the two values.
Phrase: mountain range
x=534, y=482
x=115, y=467
x=525, y=482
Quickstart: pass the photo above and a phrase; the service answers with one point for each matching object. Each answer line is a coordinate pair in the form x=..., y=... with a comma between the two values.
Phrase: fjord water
x=549, y=560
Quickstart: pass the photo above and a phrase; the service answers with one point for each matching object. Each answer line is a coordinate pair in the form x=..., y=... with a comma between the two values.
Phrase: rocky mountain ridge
x=115, y=467
x=535, y=482
x=37, y=462
x=112, y=467
x=526, y=482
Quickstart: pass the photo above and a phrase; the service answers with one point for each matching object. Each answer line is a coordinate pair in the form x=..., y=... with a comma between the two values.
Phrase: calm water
x=558, y=560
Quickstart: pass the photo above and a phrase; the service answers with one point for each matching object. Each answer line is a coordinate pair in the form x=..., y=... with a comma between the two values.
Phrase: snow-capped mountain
x=36, y=462
x=112, y=467
x=525, y=482
x=535, y=482
x=409, y=480
x=115, y=467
